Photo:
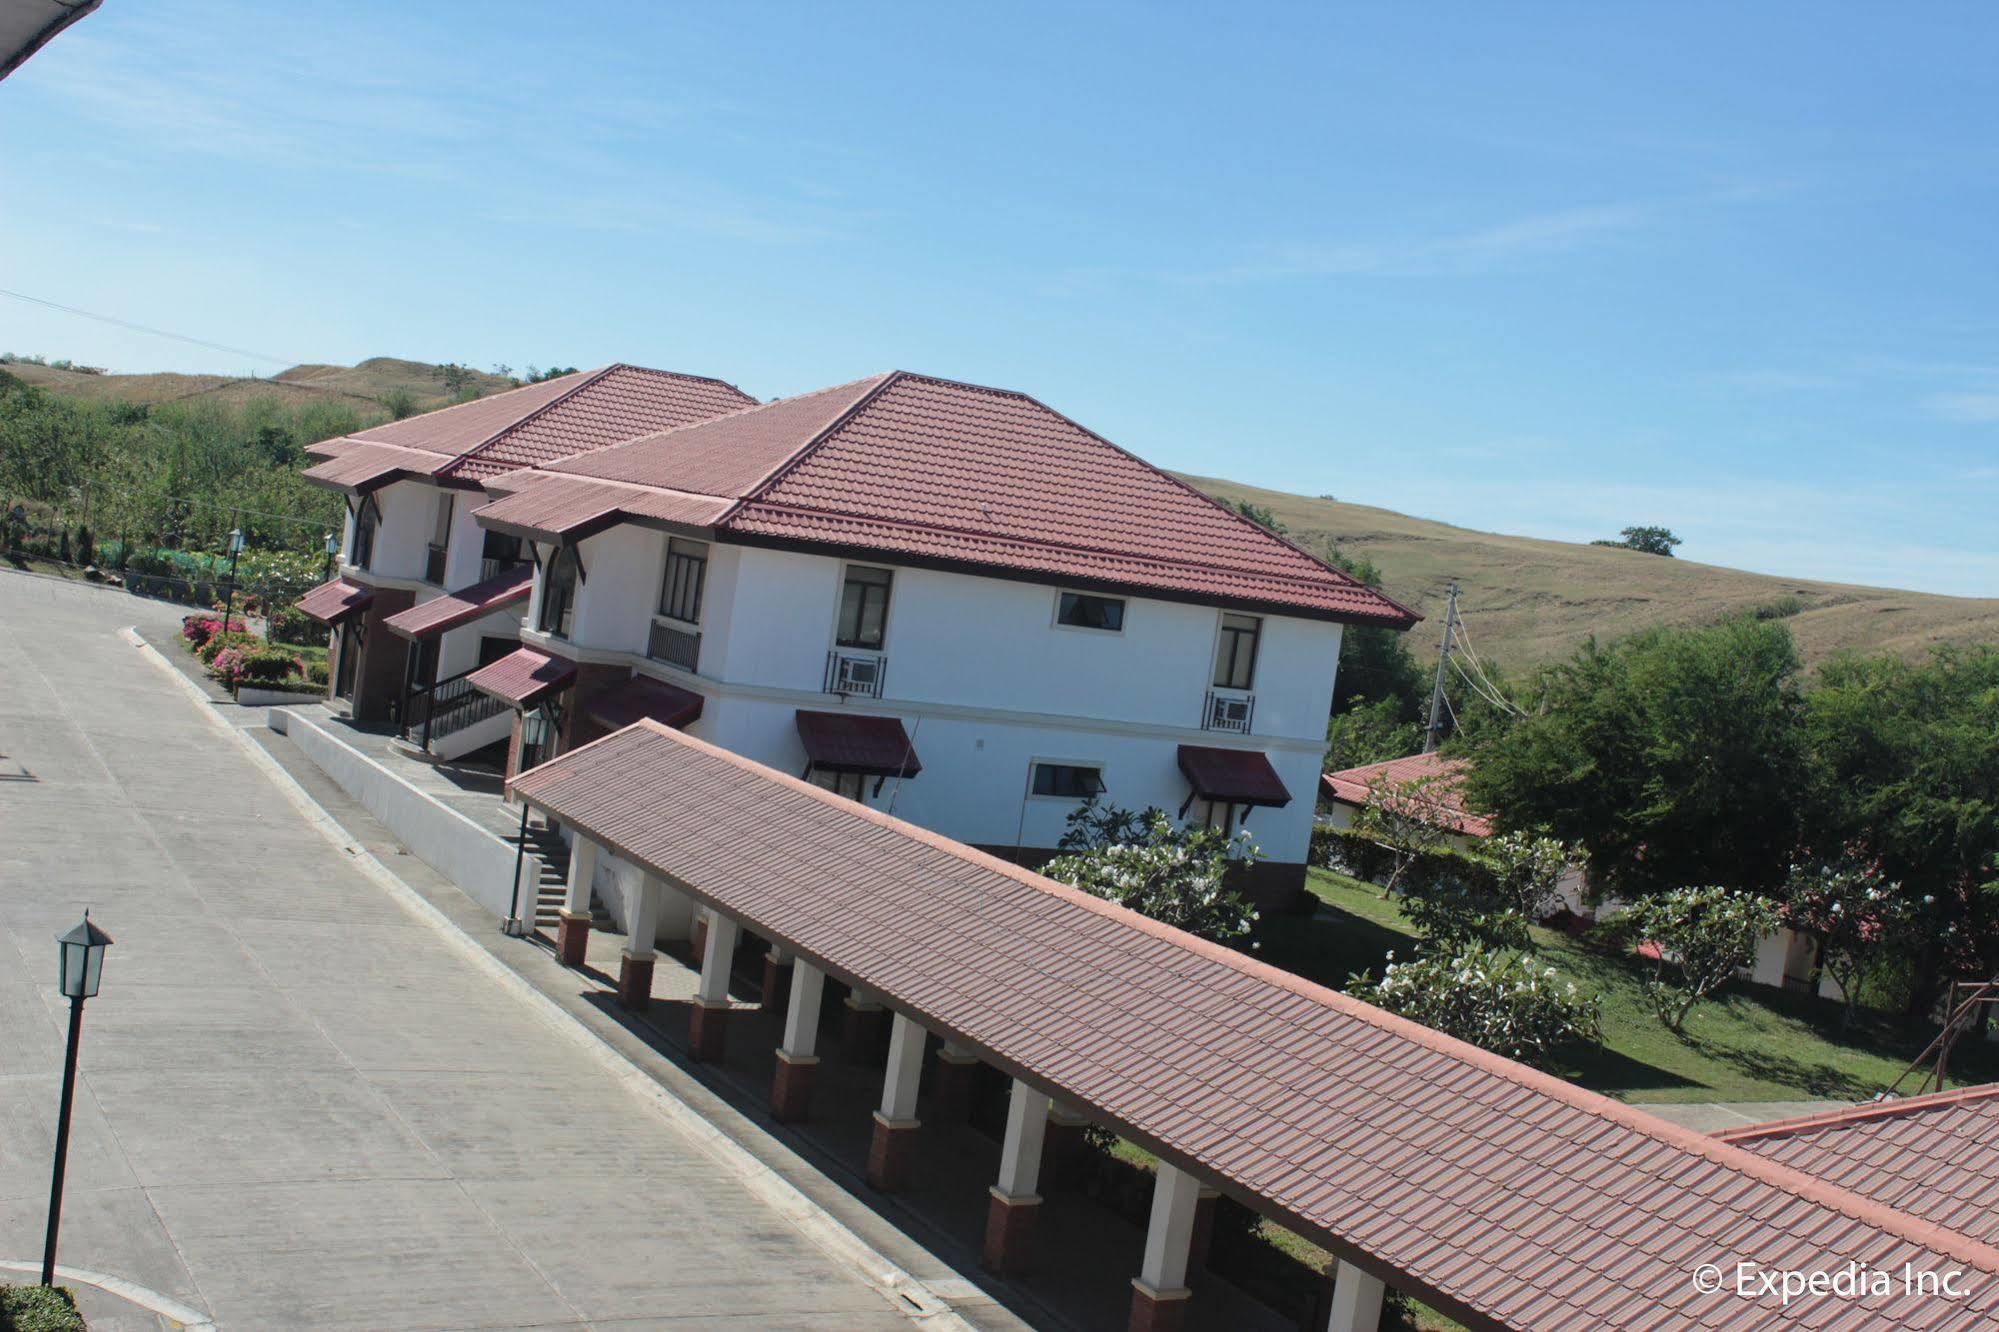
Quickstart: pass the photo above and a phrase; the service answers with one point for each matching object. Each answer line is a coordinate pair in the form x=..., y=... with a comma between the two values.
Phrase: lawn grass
x=1750, y=1043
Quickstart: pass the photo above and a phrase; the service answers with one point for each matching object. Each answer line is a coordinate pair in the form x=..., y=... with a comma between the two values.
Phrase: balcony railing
x=854, y=674
x=675, y=647
x=433, y=565
x=442, y=709
x=1232, y=711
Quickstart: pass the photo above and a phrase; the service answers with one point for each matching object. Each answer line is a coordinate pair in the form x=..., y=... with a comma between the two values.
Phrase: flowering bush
x=227, y=666
x=215, y=643
x=1175, y=875
x=1857, y=915
x=1497, y=1000
x=196, y=630
x=1707, y=934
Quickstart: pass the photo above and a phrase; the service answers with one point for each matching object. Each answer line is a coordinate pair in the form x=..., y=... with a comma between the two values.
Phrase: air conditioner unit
x=1231, y=714
x=857, y=675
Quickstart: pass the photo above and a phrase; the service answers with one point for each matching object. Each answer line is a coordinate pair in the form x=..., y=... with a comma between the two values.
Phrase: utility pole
x=1436, y=727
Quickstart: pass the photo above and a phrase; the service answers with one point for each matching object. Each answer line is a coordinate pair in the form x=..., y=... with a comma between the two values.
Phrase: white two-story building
x=946, y=601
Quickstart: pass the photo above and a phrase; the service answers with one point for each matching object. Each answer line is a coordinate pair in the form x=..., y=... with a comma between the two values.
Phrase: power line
x=99, y=487
x=155, y=332
x=1498, y=698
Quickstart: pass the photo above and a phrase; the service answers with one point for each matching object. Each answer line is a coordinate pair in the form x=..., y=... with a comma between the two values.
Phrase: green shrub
x=1497, y=1000
x=286, y=623
x=39, y=1309
x=266, y=666
x=1350, y=853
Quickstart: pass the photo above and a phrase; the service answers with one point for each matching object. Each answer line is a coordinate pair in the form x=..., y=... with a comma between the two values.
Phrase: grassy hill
x=1529, y=601
x=366, y=384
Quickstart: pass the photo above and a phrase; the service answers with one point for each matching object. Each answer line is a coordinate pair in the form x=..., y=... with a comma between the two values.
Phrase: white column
x=642, y=918
x=905, y=1071
x=582, y=872
x=801, y=1019
x=715, y=958
x=1164, y=1271
x=1020, y=1157
x=1356, y=1301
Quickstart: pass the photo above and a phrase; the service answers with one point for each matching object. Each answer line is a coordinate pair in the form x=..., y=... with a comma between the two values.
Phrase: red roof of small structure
x=1498, y=1194
x=930, y=471
x=642, y=696
x=1936, y=1157
x=428, y=618
x=1350, y=786
x=553, y=507
x=851, y=742
x=523, y=677
x=335, y=600
x=1233, y=776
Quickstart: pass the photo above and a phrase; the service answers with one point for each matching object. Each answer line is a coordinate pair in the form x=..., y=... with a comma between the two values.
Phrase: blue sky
x=1548, y=270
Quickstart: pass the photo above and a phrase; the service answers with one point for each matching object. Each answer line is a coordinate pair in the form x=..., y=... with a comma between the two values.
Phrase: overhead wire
x=148, y=329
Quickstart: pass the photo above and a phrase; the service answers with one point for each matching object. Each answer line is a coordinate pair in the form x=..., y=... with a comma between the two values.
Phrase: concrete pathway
x=300, y=1106
x=1713, y=1116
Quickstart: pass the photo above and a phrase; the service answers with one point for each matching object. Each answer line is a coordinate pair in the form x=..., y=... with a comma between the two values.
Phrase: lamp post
x=235, y=549
x=82, y=946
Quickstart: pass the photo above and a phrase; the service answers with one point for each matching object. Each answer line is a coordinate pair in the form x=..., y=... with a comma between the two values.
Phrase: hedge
x=38, y=1309
x=1348, y=852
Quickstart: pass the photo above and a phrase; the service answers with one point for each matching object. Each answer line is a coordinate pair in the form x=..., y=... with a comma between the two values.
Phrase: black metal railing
x=433, y=565
x=855, y=675
x=493, y=567
x=1228, y=712
x=675, y=647
x=445, y=708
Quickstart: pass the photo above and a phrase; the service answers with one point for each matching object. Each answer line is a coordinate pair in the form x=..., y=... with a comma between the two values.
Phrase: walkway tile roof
x=642, y=696
x=335, y=600
x=852, y=742
x=428, y=618
x=1500, y=1195
x=527, y=426
x=1350, y=786
x=1236, y=776
x=1934, y=1156
x=932, y=471
x=523, y=677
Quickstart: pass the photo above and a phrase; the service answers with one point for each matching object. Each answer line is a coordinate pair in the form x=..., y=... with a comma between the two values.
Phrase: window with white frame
x=1235, y=652
x=558, y=592
x=1068, y=781
x=863, y=619
x=686, y=576
x=1080, y=610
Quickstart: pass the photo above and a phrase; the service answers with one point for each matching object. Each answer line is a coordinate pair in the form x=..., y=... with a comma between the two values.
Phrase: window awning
x=523, y=677
x=430, y=618
x=1232, y=776
x=334, y=601
x=848, y=742
x=642, y=696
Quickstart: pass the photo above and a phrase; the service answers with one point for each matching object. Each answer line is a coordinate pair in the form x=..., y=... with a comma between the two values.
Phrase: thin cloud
x=1968, y=408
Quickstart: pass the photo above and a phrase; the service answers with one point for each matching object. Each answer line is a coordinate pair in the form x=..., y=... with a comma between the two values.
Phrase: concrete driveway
x=299, y=1106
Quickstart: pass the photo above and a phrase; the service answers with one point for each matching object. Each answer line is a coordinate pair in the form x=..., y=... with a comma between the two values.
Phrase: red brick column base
x=1010, y=1220
x=708, y=1030
x=791, y=1088
x=572, y=938
x=1157, y=1310
x=951, y=1091
x=1203, y=1237
x=777, y=984
x=634, y=982
x=864, y=1030
x=892, y=1154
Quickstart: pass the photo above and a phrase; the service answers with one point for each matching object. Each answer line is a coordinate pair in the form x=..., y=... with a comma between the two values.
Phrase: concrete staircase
x=547, y=893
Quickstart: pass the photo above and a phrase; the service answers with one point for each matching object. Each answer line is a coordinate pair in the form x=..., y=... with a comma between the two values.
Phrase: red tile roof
x=1233, y=776
x=333, y=601
x=361, y=468
x=1936, y=1157
x=850, y=742
x=1500, y=1195
x=428, y=618
x=1350, y=786
x=930, y=471
x=642, y=696
x=551, y=506
x=523, y=677
x=530, y=425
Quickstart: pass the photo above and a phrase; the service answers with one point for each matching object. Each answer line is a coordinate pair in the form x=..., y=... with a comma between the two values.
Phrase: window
x=440, y=529
x=1067, y=781
x=1235, y=653
x=686, y=572
x=852, y=785
x=863, y=608
x=365, y=519
x=1084, y=612
x=558, y=592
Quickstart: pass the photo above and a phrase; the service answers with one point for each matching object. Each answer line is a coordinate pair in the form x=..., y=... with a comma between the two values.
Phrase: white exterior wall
x=468, y=539
x=619, y=589
x=459, y=652
x=402, y=538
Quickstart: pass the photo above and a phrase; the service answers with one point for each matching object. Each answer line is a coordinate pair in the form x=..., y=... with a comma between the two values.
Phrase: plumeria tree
x=1855, y=914
x=1498, y=999
x=1406, y=819
x=1524, y=873
x=1175, y=875
x=1703, y=937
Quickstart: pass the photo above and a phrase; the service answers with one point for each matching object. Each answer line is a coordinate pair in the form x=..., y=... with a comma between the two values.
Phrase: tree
x=1497, y=1000
x=1704, y=935
x=399, y=402
x=1257, y=513
x=1375, y=663
x=1178, y=876
x=1854, y=913
x=1370, y=731
x=1651, y=540
x=1403, y=818
x=1675, y=756
x=1496, y=908
x=535, y=376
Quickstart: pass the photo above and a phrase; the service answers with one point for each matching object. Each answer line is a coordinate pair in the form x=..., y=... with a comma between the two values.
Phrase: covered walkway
x=1501, y=1196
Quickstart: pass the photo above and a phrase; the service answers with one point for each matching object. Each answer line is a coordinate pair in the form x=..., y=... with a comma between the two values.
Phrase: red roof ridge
x=585, y=378
x=774, y=475
x=1740, y=1160
x=1891, y=1108
x=678, y=374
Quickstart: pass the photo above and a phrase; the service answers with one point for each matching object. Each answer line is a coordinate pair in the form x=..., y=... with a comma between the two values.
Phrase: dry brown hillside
x=369, y=382
x=1528, y=601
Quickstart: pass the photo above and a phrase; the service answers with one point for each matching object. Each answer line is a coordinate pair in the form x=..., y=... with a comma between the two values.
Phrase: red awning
x=330, y=603
x=523, y=677
x=463, y=606
x=847, y=742
x=1232, y=776
x=642, y=696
